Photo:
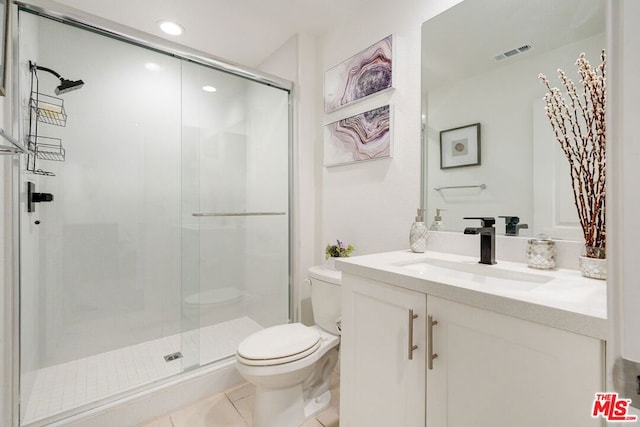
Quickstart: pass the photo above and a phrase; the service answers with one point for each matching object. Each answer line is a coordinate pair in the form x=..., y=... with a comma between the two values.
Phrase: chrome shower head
x=68, y=86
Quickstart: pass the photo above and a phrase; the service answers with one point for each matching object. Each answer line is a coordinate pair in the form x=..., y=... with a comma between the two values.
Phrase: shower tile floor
x=233, y=409
x=74, y=384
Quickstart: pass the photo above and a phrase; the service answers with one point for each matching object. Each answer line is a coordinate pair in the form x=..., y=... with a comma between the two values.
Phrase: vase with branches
x=579, y=126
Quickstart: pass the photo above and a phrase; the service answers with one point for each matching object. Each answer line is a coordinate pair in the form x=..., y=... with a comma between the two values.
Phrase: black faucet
x=511, y=225
x=487, y=238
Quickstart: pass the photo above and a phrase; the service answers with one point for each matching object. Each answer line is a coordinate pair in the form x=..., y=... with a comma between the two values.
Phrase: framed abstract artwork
x=365, y=73
x=364, y=136
x=460, y=146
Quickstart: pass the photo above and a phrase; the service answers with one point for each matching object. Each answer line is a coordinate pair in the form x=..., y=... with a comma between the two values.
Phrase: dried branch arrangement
x=579, y=127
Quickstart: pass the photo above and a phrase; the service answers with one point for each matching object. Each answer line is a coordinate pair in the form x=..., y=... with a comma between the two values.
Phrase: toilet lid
x=279, y=344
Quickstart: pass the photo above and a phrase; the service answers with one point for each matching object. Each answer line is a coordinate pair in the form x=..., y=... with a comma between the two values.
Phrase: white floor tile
x=241, y=391
x=244, y=406
x=216, y=411
x=159, y=422
x=328, y=418
x=312, y=423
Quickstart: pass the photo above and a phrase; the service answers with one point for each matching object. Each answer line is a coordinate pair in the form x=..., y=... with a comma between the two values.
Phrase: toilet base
x=285, y=408
x=281, y=407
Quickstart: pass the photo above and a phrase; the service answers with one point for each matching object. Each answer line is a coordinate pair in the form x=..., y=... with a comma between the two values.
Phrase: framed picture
x=365, y=73
x=364, y=136
x=460, y=146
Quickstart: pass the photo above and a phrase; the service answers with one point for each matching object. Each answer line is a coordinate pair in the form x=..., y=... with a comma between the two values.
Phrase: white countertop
x=559, y=298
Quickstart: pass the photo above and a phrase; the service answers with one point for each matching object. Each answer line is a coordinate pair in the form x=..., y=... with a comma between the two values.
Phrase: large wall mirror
x=480, y=64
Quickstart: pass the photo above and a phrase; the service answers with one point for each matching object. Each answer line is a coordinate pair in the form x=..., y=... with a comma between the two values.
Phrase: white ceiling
x=240, y=31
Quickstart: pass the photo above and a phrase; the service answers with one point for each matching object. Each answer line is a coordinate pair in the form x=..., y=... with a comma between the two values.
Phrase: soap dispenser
x=418, y=234
x=437, y=224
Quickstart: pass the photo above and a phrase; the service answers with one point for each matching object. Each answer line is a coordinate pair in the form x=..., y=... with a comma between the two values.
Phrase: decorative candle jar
x=541, y=253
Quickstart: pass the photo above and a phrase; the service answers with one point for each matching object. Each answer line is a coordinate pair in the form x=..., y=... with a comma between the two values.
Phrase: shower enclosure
x=166, y=236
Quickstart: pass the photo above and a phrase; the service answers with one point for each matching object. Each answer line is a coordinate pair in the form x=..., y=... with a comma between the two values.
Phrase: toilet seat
x=278, y=345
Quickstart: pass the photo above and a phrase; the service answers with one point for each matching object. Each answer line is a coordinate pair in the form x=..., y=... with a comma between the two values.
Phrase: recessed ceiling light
x=209, y=88
x=171, y=28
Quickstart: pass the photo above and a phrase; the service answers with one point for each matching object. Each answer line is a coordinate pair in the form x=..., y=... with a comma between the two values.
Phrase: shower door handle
x=202, y=214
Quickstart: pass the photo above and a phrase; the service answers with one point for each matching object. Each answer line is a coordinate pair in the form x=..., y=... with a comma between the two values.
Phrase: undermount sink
x=474, y=272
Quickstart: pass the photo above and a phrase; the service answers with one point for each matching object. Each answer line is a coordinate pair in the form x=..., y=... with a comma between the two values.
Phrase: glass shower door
x=235, y=214
x=167, y=239
x=100, y=263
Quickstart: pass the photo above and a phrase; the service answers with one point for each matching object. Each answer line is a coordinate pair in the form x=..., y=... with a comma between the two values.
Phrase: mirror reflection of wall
x=481, y=61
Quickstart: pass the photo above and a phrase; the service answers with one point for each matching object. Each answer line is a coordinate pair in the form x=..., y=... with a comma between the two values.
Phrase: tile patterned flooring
x=233, y=409
x=80, y=382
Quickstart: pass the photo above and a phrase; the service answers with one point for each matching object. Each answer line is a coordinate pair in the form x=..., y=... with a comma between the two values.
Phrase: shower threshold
x=74, y=385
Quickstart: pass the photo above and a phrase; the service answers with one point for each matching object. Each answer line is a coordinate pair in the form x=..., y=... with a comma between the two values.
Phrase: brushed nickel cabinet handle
x=430, y=354
x=411, y=347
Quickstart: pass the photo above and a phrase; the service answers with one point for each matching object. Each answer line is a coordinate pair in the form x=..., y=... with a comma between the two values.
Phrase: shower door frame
x=96, y=24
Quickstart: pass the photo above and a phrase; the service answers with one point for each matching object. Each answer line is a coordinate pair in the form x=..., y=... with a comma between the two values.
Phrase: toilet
x=291, y=364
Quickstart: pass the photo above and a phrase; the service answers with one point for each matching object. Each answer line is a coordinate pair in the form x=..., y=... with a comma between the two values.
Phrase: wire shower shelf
x=47, y=148
x=42, y=172
x=48, y=109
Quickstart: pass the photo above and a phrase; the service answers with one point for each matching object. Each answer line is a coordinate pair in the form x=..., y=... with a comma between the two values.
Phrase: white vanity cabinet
x=491, y=369
x=382, y=374
x=499, y=371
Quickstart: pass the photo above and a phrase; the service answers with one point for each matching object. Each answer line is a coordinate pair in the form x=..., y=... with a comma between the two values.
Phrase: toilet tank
x=326, y=297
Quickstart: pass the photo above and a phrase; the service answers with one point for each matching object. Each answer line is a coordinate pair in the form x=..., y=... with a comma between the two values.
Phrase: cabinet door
x=380, y=385
x=498, y=371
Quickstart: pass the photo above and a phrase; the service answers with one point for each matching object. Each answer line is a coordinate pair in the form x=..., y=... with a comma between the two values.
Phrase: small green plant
x=339, y=250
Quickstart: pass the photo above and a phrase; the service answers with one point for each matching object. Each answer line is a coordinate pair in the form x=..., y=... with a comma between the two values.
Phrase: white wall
x=5, y=280
x=372, y=204
x=623, y=232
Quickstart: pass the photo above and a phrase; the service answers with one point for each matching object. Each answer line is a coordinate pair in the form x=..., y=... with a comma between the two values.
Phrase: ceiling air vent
x=512, y=52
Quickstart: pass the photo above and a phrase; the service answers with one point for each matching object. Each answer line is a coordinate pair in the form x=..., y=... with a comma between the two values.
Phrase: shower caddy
x=48, y=110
